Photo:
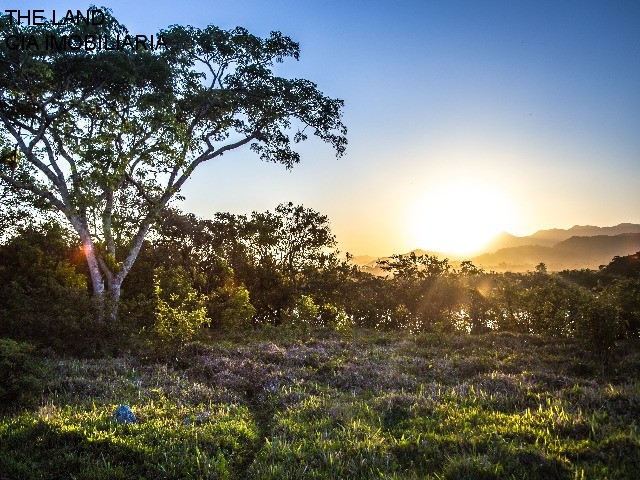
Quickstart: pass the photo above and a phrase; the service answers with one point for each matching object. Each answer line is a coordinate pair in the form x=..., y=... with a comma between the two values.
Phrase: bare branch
x=141, y=190
x=172, y=188
x=106, y=223
x=44, y=194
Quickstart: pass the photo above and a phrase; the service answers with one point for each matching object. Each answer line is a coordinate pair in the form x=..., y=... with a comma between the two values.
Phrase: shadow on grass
x=37, y=449
x=33, y=448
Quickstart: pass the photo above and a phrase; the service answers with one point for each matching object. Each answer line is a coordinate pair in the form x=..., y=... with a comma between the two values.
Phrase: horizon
x=485, y=249
x=488, y=118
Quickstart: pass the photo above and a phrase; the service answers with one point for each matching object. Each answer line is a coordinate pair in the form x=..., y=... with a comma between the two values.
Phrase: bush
x=180, y=309
x=305, y=312
x=21, y=373
x=601, y=324
x=233, y=307
x=44, y=297
x=335, y=318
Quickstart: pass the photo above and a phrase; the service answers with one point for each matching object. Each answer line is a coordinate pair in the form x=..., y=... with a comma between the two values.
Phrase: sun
x=460, y=218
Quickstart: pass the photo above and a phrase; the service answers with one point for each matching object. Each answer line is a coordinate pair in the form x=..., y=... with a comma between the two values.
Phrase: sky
x=465, y=118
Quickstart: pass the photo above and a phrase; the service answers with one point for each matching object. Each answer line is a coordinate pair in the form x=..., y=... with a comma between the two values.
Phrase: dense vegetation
x=107, y=138
x=249, y=348
x=282, y=269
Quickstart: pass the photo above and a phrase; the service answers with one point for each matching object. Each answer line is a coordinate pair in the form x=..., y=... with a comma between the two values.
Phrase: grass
x=318, y=405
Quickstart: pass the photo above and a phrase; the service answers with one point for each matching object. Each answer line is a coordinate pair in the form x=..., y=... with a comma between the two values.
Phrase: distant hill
x=573, y=253
x=556, y=235
x=551, y=237
x=626, y=266
x=581, y=246
x=363, y=260
x=506, y=240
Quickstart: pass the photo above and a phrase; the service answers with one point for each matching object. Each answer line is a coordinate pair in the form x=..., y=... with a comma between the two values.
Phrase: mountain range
x=553, y=236
x=581, y=246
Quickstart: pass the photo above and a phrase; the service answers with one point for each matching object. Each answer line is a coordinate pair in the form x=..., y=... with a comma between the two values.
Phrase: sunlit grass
x=90, y=444
x=373, y=406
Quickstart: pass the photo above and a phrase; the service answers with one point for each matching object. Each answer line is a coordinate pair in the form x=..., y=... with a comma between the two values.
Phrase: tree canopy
x=109, y=137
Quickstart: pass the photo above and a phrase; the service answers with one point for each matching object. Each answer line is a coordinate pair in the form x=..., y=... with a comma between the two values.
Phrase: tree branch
x=44, y=194
x=106, y=222
x=141, y=190
x=208, y=156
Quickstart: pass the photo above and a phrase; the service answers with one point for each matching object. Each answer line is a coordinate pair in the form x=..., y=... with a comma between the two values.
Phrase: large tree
x=109, y=137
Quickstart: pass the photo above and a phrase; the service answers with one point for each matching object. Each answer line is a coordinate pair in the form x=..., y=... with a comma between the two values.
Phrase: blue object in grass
x=123, y=414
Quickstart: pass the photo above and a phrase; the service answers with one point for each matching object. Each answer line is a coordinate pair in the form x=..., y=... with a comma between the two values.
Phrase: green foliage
x=601, y=323
x=129, y=127
x=414, y=266
x=276, y=256
x=180, y=310
x=21, y=373
x=627, y=266
x=336, y=318
x=541, y=268
x=627, y=298
x=424, y=295
x=14, y=211
x=234, y=307
x=285, y=251
x=43, y=293
x=305, y=311
x=282, y=266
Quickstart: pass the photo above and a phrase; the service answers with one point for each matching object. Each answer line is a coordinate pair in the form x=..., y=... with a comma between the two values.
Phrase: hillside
x=581, y=246
x=573, y=253
x=506, y=240
x=557, y=235
x=553, y=236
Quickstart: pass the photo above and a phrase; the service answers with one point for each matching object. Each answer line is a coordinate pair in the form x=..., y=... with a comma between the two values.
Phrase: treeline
x=283, y=269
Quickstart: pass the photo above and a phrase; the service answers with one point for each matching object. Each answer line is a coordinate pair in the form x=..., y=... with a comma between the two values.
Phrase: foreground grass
x=369, y=406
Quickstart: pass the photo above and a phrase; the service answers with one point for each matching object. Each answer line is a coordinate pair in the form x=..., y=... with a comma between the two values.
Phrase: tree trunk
x=97, y=280
x=94, y=270
x=112, y=301
x=99, y=294
x=107, y=299
x=107, y=338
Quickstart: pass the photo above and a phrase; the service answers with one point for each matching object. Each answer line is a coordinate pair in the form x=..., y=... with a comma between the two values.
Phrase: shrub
x=180, y=309
x=21, y=373
x=234, y=307
x=335, y=318
x=43, y=296
x=305, y=312
x=601, y=323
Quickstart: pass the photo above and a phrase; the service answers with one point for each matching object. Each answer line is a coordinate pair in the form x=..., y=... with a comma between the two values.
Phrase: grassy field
x=369, y=405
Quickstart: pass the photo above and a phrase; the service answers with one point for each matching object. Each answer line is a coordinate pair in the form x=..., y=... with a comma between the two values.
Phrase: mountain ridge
x=573, y=253
x=558, y=248
x=552, y=236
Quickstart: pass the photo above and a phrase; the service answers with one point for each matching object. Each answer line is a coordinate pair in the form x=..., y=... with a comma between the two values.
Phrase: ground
x=285, y=405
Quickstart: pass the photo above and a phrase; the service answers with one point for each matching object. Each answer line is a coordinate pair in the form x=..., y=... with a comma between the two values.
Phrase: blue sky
x=528, y=112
